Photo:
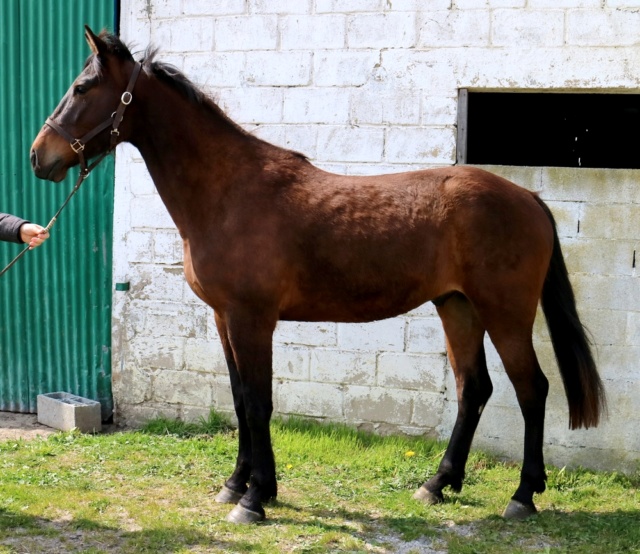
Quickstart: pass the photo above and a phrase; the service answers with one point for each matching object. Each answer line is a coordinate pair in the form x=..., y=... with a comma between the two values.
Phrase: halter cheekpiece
x=78, y=144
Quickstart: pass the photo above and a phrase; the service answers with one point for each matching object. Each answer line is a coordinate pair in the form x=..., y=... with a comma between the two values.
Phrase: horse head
x=87, y=121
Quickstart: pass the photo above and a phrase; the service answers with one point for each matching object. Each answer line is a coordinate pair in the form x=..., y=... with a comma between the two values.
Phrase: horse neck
x=193, y=152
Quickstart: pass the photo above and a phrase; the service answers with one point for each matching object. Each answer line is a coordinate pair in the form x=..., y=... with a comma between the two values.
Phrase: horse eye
x=80, y=89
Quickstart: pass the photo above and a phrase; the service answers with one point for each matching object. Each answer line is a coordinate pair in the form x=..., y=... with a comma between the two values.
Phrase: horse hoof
x=427, y=496
x=227, y=496
x=240, y=514
x=519, y=511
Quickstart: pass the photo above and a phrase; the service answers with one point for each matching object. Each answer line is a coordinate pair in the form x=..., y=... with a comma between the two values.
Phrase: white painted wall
x=363, y=87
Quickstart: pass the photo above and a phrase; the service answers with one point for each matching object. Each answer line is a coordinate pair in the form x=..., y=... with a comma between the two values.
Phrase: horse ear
x=96, y=44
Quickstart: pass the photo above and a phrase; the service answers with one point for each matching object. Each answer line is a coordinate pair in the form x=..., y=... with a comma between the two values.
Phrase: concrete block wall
x=364, y=87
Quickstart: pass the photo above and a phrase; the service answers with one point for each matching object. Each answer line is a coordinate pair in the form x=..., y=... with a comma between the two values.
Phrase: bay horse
x=268, y=236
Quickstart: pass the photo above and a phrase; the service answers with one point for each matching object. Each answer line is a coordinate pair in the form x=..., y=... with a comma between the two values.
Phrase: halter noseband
x=77, y=145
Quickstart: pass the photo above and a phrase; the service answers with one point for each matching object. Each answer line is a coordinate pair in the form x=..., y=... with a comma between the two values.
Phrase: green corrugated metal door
x=55, y=331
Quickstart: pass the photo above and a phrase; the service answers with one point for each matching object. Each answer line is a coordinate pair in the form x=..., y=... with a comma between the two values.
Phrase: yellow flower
x=409, y=453
x=289, y=466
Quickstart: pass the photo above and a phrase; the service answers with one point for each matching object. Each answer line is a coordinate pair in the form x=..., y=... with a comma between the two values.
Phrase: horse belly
x=347, y=312
x=351, y=300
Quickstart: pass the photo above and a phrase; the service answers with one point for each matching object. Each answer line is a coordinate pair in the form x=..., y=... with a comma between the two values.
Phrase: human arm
x=16, y=229
x=10, y=227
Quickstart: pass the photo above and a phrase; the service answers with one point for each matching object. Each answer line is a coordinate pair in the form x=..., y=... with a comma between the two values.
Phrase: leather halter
x=78, y=144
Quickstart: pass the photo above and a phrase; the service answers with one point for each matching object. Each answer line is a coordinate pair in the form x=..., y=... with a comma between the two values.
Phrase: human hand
x=33, y=234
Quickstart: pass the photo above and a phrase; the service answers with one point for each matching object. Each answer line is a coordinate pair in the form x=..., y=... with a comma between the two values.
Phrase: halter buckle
x=115, y=132
x=126, y=98
x=77, y=146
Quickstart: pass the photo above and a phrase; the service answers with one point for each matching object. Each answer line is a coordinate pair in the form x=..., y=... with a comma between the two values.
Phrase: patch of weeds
x=214, y=424
x=100, y=505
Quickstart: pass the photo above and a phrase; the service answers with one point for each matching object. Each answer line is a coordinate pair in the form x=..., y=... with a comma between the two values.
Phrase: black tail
x=582, y=384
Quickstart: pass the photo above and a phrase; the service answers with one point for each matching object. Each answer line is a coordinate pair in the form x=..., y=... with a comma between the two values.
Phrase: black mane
x=167, y=73
x=173, y=77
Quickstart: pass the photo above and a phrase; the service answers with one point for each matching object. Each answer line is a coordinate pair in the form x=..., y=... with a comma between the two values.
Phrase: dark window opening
x=549, y=129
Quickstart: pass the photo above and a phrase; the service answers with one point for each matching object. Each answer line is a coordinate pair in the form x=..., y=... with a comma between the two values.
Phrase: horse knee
x=258, y=414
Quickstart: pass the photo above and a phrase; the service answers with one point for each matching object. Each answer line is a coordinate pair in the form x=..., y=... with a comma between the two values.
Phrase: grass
x=152, y=491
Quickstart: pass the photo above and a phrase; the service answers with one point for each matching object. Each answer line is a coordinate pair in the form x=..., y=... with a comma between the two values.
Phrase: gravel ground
x=22, y=426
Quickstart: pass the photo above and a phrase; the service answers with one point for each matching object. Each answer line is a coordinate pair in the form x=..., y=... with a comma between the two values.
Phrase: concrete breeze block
x=65, y=411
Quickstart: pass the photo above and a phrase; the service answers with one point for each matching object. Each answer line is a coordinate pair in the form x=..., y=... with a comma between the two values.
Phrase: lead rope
x=77, y=145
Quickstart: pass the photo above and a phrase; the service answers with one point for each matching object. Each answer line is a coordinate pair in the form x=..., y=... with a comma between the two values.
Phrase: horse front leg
x=236, y=486
x=250, y=341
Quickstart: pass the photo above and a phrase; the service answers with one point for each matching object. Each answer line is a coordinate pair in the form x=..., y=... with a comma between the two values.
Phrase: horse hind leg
x=513, y=341
x=465, y=334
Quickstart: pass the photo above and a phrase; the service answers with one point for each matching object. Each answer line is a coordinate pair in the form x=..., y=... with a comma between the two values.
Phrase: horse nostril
x=34, y=159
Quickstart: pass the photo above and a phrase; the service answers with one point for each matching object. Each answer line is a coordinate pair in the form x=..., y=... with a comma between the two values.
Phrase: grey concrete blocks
x=65, y=411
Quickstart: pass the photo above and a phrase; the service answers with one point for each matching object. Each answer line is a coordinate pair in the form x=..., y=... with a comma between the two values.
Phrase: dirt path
x=22, y=426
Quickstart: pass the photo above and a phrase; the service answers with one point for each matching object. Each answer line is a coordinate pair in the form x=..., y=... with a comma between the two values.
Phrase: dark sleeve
x=10, y=227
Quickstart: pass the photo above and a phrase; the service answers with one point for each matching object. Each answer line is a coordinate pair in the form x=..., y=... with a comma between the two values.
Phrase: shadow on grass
x=37, y=535
x=580, y=531
x=566, y=531
x=548, y=531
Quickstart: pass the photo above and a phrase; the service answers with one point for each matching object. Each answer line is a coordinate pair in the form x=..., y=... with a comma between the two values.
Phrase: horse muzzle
x=49, y=162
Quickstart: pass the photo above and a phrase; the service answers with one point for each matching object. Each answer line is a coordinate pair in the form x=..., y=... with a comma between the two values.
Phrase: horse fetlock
x=264, y=488
x=447, y=476
x=533, y=483
x=237, y=483
x=269, y=495
x=540, y=486
x=456, y=484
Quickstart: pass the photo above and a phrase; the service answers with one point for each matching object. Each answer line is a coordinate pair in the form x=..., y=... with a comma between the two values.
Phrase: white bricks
x=375, y=108
x=425, y=336
x=344, y=68
x=403, y=371
x=349, y=6
x=177, y=34
x=342, y=366
x=246, y=33
x=351, y=144
x=308, y=334
x=278, y=69
x=366, y=87
x=219, y=7
x=623, y=3
x=454, y=28
x=281, y=6
x=309, y=105
x=382, y=30
x=310, y=399
x=312, y=32
x=527, y=28
x=386, y=335
x=593, y=27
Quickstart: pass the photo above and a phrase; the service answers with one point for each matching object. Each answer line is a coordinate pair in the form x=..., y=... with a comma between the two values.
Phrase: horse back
x=373, y=247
